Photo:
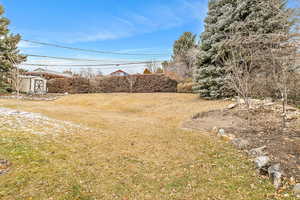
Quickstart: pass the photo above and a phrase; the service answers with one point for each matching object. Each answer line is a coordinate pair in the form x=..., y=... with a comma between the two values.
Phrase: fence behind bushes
x=133, y=83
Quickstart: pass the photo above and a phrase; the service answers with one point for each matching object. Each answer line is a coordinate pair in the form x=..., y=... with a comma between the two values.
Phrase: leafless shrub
x=183, y=65
x=255, y=59
x=13, y=76
x=131, y=80
x=241, y=68
x=152, y=66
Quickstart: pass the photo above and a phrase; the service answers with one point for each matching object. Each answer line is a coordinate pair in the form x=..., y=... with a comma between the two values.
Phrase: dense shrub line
x=133, y=83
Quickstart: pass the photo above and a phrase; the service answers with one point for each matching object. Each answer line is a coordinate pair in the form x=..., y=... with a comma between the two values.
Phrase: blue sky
x=132, y=26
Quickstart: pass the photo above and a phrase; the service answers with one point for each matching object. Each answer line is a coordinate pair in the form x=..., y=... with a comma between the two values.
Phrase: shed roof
x=118, y=71
x=42, y=71
x=33, y=77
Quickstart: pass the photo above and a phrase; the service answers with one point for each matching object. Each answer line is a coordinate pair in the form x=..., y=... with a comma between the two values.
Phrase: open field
x=133, y=149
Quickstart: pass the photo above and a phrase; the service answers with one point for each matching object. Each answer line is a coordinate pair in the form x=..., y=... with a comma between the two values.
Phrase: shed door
x=38, y=86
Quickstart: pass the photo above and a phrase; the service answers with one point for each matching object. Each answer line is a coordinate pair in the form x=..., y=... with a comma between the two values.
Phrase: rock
x=240, y=100
x=240, y=143
x=228, y=137
x=275, y=173
x=262, y=161
x=221, y=132
x=215, y=130
x=268, y=104
x=296, y=190
x=290, y=108
x=255, y=101
x=196, y=116
x=291, y=116
x=231, y=106
x=268, y=100
x=231, y=136
x=257, y=152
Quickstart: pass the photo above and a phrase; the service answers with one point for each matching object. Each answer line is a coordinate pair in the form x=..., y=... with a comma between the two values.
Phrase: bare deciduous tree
x=240, y=69
x=14, y=75
x=131, y=80
x=253, y=59
x=87, y=73
x=152, y=66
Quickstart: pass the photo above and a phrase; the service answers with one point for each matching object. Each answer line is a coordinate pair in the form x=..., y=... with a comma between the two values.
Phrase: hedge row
x=133, y=83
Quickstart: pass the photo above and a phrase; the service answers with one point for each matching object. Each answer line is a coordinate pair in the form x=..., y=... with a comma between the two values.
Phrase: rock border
x=259, y=157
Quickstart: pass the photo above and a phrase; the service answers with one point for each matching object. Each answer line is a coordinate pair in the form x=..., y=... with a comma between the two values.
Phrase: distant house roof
x=119, y=73
x=48, y=74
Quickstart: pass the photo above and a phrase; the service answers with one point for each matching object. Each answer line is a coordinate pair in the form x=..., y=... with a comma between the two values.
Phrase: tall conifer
x=224, y=16
x=9, y=52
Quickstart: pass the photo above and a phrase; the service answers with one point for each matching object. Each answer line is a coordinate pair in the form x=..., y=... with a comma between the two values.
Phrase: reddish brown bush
x=133, y=83
x=185, y=87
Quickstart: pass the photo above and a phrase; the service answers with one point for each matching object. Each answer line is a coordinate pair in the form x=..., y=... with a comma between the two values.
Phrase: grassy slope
x=138, y=153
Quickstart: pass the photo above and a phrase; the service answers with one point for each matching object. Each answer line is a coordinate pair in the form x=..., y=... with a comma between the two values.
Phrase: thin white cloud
x=157, y=17
x=97, y=36
x=124, y=21
x=128, y=24
x=25, y=45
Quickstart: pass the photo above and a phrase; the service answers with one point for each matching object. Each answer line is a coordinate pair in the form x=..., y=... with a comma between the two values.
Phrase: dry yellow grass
x=138, y=152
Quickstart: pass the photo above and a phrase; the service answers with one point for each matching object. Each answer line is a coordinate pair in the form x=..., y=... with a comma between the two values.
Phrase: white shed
x=33, y=85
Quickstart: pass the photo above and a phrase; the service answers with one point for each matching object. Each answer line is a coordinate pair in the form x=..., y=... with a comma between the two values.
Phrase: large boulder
x=275, y=173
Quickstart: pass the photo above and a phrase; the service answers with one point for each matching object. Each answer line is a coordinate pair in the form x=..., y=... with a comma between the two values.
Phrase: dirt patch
x=261, y=127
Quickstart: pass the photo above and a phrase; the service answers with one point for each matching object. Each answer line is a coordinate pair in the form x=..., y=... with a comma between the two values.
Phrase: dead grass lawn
x=139, y=152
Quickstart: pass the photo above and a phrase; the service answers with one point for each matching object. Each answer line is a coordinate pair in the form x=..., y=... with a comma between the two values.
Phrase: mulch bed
x=261, y=127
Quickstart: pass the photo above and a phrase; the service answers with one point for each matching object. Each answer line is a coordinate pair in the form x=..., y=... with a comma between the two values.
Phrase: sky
x=126, y=26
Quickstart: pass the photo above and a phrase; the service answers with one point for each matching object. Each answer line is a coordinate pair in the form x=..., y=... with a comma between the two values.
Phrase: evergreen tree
x=209, y=72
x=224, y=18
x=9, y=53
x=186, y=42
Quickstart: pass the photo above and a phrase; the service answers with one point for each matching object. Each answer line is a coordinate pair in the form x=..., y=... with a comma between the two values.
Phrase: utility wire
x=91, y=50
x=86, y=67
x=72, y=59
x=60, y=58
x=82, y=65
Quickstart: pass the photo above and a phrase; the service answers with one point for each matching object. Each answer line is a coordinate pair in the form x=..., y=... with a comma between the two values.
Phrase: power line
x=61, y=58
x=76, y=59
x=90, y=67
x=84, y=65
x=91, y=50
